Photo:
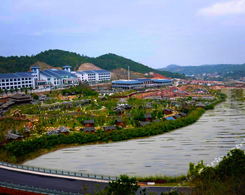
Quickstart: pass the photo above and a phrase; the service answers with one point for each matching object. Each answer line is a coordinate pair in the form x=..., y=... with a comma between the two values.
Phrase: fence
x=34, y=189
x=58, y=172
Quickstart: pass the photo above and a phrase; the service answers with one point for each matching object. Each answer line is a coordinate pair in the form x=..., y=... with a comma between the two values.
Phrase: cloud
x=224, y=8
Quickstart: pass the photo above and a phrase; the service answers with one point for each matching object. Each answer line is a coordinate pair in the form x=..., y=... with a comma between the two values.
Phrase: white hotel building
x=94, y=75
x=16, y=80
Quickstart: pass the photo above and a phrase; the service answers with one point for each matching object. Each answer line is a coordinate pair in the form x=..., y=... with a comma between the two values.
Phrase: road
x=61, y=184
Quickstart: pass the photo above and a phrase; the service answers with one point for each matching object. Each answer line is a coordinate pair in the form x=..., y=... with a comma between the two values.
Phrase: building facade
x=94, y=75
x=17, y=80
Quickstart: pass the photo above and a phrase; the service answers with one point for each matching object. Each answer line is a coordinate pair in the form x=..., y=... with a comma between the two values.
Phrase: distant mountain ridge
x=193, y=70
x=59, y=58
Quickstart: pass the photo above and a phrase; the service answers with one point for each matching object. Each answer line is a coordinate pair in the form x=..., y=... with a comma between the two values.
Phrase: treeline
x=20, y=150
x=59, y=58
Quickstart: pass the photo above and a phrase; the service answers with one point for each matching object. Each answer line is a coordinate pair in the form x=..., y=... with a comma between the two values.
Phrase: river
x=212, y=136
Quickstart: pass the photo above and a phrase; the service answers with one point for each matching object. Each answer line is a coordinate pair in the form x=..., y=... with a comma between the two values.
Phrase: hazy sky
x=154, y=32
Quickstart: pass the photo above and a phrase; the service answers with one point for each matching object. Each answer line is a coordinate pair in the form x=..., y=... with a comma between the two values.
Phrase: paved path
x=61, y=182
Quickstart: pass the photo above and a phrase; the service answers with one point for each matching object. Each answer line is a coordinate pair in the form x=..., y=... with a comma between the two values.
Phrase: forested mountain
x=59, y=58
x=221, y=69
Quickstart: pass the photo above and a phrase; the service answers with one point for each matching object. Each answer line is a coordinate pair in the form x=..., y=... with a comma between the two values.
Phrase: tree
x=6, y=91
x=11, y=91
x=26, y=91
x=31, y=88
x=39, y=129
x=16, y=90
x=123, y=186
x=1, y=91
x=35, y=97
x=21, y=89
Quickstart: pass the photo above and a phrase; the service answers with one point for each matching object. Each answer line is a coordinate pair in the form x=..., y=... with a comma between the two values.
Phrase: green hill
x=59, y=58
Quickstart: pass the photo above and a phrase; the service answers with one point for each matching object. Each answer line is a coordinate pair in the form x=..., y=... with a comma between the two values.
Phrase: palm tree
x=21, y=89
x=1, y=91
x=11, y=91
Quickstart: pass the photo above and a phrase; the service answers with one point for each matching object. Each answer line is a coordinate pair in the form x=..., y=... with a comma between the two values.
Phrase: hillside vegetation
x=59, y=58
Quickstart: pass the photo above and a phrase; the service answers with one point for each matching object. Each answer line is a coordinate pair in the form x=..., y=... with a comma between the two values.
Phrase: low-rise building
x=89, y=129
x=140, y=83
x=89, y=123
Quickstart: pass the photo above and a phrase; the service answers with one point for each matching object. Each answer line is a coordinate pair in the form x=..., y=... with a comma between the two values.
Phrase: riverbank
x=19, y=152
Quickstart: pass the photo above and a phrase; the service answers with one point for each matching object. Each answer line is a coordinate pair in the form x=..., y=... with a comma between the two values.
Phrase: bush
x=228, y=177
x=35, y=97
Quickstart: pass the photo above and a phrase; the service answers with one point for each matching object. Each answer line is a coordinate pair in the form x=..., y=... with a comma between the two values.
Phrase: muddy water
x=215, y=133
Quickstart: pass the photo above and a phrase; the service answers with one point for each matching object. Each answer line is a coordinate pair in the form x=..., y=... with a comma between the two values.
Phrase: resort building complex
x=38, y=79
x=140, y=83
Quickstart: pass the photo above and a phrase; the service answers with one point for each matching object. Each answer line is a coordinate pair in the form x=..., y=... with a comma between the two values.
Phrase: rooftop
x=129, y=82
x=57, y=73
x=93, y=71
x=15, y=75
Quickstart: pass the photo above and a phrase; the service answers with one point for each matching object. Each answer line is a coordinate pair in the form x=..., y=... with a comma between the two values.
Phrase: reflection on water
x=216, y=132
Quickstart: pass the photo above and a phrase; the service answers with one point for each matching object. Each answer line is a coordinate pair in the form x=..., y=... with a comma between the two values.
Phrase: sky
x=153, y=32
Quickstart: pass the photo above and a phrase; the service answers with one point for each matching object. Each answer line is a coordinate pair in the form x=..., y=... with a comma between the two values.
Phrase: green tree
x=6, y=91
x=26, y=91
x=35, y=97
x=31, y=88
x=123, y=186
x=1, y=91
x=11, y=91
x=21, y=89
x=16, y=90
x=39, y=129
